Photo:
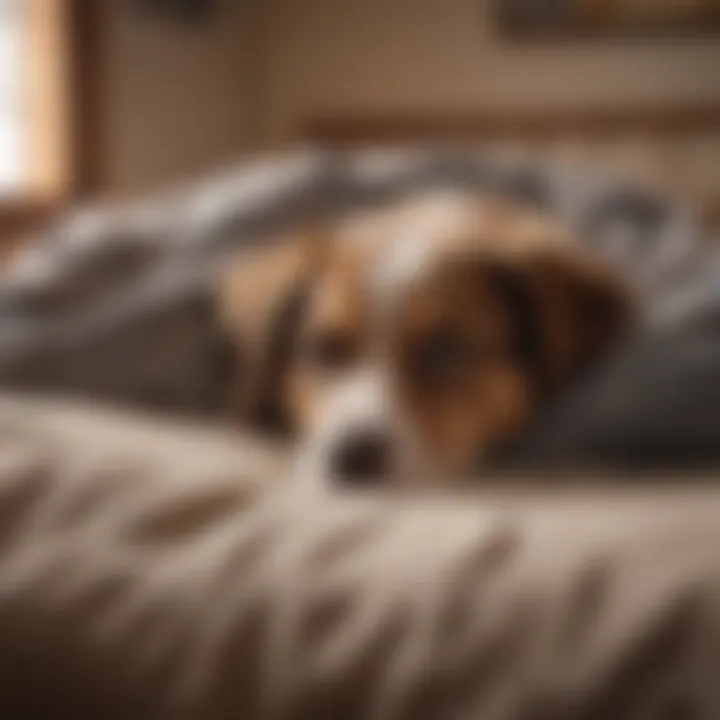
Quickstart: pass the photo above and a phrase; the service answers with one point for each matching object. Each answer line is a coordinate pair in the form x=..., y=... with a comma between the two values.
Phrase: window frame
x=62, y=69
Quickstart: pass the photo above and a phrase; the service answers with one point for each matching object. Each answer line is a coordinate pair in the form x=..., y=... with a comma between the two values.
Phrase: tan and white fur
x=411, y=342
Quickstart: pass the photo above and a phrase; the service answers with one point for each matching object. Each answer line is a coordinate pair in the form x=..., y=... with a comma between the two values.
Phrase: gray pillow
x=654, y=407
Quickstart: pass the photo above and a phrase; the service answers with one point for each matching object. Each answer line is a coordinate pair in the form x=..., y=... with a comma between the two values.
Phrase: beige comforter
x=150, y=570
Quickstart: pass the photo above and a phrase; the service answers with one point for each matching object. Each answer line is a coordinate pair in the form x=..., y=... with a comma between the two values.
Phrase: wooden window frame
x=61, y=96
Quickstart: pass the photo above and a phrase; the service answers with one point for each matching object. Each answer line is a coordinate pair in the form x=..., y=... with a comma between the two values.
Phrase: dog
x=417, y=340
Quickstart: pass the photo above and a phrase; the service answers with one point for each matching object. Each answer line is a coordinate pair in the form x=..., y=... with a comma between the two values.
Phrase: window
x=48, y=68
x=11, y=103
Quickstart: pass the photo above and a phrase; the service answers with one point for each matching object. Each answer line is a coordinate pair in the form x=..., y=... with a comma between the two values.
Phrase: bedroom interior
x=246, y=76
x=157, y=562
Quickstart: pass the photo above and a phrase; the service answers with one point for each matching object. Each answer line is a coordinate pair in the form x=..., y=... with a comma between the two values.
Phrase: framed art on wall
x=556, y=19
x=187, y=11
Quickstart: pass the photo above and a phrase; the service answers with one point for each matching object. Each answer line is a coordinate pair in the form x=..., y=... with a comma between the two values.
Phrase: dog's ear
x=573, y=306
x=586, y=308
x=260, y=303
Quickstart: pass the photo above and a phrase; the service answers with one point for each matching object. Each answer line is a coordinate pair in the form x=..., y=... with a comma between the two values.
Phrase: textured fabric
x=150, y=570
x=654, y=407
x=116, y=302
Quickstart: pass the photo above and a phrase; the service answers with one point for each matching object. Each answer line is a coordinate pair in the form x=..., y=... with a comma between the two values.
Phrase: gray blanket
x=114, y=302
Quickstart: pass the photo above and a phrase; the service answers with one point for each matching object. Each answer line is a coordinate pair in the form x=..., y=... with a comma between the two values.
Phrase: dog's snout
x=364, y=456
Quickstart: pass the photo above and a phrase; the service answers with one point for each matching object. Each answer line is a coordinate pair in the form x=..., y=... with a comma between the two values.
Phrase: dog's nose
x=362, y=457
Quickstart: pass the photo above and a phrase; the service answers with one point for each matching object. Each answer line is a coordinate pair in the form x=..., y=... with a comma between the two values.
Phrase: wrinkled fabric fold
x=152, y=569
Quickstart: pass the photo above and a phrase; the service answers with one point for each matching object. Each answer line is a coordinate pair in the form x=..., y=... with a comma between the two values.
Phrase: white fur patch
x=416, y=248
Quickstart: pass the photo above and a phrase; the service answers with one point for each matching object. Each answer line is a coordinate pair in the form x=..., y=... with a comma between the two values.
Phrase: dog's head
x=417, y=338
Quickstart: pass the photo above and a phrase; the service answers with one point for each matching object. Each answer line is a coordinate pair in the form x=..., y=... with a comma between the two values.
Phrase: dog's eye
x=442, y=356
x=331, y=351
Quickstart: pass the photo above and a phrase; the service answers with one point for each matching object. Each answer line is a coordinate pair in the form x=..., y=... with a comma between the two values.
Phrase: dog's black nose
x=362, y=457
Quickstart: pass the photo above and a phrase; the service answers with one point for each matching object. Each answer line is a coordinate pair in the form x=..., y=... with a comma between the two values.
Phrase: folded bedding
x=156, y=569
x=116, y=302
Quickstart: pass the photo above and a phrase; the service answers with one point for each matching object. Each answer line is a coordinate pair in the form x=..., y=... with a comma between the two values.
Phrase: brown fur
x=476, y=250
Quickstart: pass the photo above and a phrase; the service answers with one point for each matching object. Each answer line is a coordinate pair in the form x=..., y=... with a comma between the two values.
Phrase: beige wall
x=383, y=54
x=180, y=101
x=177, y=99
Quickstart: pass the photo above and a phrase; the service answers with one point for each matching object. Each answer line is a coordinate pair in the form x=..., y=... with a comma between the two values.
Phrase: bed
x=155, y=562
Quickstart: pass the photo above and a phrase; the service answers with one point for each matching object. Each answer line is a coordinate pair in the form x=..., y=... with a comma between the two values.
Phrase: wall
x=327, y=55
x=176, y=99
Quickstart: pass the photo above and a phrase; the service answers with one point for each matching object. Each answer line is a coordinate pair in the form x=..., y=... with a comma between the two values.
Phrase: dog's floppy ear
x=260, y=304
x=573, y=306
x=586, y=308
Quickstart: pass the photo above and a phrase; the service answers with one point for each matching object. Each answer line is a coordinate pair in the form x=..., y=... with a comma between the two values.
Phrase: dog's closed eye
x=331, y=351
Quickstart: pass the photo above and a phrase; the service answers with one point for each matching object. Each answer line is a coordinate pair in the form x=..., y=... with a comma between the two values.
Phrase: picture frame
x=537, y=20
x=182, y=11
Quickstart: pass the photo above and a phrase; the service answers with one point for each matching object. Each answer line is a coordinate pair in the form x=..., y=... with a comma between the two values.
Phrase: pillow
x=654, y=408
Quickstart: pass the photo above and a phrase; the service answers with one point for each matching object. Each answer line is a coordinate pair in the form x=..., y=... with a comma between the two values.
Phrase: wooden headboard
x=674, y=148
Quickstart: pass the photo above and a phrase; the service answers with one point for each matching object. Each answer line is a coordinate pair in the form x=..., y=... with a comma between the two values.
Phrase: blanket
x=116, y=302
x=157, y=569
